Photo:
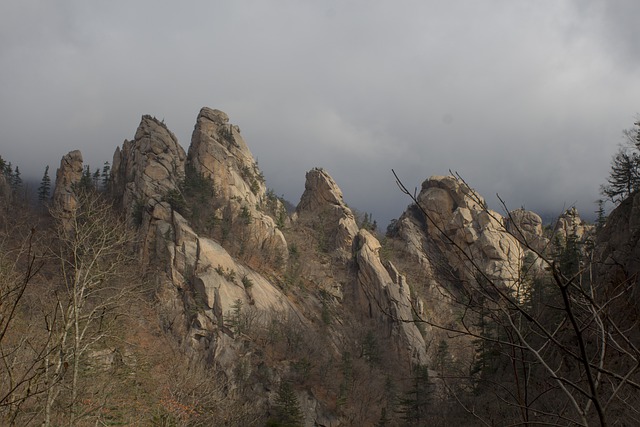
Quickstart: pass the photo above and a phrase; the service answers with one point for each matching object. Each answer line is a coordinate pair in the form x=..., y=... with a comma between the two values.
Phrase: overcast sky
x=527, y=99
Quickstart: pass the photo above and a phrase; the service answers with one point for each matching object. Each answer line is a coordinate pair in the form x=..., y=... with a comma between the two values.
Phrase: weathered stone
x=322, y=202
x=147, y=168
x=384, y=295
x=470, y=235
x=68, y=176
x=218, y=152
x=617, y=250
x=570, y=223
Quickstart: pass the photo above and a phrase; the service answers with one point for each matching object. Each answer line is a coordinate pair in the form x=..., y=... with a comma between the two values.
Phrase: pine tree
x=106, y=177
x=601, y=217
x=86, y=183
x=624, y=177
x=288, y=412
x=16, y=180
x=415, y=404
x=96, y=179
x=45, y=186
x=442, y=359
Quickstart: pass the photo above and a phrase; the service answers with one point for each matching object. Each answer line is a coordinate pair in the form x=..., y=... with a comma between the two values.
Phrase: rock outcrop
x=148, y=167
x=617, y=246
x=570, y=224
x=68, y=176
x=526, y=226
x=323, y=206
x=384, y=295
x=145, y=172
x=472, y=237
x=219, y=154
x=192, y=270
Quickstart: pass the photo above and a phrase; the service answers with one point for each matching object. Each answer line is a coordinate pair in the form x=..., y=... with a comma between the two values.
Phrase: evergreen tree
x=16, y=180
x=96, y=179
x=287, y=408
x=106, y=175
x=569, y=255
x=415, y=404
x=45, y=186
x=601, y=217
x=624, y=177
x=86, y=183
x=442, y=359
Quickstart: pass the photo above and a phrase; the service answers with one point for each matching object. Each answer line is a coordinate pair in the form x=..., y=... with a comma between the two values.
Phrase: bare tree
x=93, y=248
x=22, y=349
x=565, y=336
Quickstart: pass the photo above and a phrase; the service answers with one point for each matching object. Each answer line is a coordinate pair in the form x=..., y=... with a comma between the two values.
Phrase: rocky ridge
x=204, y=280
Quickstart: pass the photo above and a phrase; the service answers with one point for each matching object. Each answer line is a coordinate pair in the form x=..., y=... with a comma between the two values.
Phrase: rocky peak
x=239, y=204
x=570, y=223
x=458, y=216
x=148, y=167
x=219, y=152
x=144, y=172
x=68, y=175
x=320, y=191
x=322, y=202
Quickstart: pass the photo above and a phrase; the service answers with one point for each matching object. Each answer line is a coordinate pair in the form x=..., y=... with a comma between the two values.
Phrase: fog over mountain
x=524, y=99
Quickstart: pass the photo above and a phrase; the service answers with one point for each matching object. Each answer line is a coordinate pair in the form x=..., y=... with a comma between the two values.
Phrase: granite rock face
x=570, y=223
x=68, y=176
x=147, y=175
x=322, y=203
x=148, y=167
x=617, y=246
x=384, y=295
x=526, y=226
x=471, y=236
x=240, y=202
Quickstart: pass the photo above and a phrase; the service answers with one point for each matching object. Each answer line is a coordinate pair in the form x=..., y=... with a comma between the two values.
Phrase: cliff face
x=617, y=248
x=458, y=226
x=239, y=201
x=148, y=167
x=323, y=207
x=67, y=176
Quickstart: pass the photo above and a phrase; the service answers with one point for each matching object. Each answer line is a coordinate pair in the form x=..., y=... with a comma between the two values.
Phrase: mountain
x=222, y=307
